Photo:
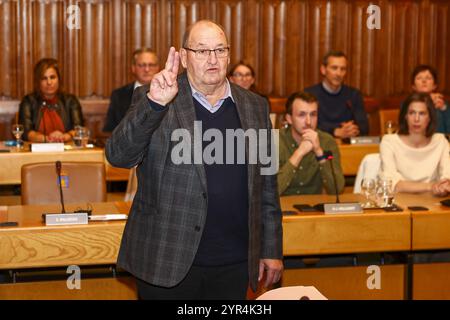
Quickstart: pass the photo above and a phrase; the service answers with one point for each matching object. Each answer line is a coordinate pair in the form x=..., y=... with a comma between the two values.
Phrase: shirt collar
x=198, y=94
x=329, y=90
x=137, y=84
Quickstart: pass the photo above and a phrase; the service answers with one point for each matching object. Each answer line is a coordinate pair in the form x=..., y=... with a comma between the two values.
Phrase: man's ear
x=183, y=57
x=323, y=69
x=288, y=118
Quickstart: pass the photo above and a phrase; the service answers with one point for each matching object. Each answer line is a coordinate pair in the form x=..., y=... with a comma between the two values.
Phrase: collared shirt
x=137, y=84
x=200, y=97
x=329, y=89
x=311, y=176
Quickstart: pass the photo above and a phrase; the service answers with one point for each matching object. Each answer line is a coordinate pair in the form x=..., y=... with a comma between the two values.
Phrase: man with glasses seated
x=144, y=66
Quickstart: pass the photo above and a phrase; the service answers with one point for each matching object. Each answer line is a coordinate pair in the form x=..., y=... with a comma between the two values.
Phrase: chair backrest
x=293, y=293
x=81, y=181
x=387, y=115
x=368, y=168
x=131, y=185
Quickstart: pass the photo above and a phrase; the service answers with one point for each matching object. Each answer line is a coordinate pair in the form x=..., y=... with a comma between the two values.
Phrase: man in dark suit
x=144, y=66
x=197, y=229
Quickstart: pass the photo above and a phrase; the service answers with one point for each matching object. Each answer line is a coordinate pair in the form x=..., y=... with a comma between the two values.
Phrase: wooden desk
x=34, y=245
x=12, y=162
x=317, y=233
x=352, y=155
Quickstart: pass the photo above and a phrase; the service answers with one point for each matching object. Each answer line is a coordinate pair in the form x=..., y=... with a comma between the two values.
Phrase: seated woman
x=48, y=114
x=416, y=159
x=424, y=79
x=243, y=75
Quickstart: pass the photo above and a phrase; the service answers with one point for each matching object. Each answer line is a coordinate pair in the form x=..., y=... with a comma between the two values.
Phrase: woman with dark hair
x=424, y=79
x=48, y=114
x=416, y=159
x=243, y=75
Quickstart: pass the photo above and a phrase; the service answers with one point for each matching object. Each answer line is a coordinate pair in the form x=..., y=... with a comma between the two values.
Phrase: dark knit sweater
x=225, y=236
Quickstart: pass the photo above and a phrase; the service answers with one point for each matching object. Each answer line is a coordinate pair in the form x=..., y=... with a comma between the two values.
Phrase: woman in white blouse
x=417, y=159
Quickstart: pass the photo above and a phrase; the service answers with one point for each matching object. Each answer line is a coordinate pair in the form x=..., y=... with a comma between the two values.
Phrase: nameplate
x=335, y=208
x=62, y=219
x=365, y=140
x=47, y=147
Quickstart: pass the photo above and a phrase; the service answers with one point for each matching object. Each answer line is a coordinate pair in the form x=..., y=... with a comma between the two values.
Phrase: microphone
x=61, y=197
x=330, y=157
x=349, y=106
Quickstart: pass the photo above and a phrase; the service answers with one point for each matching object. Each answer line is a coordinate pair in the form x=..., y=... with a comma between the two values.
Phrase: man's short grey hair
x=187, y=33
x=141, y=51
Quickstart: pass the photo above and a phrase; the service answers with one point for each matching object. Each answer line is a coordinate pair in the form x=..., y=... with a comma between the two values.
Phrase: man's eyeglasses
x=204, y=53
x=146, y=65
x=242, y=75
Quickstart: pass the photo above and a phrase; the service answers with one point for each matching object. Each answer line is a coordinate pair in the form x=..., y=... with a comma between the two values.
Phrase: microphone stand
x=61, y=197
x=330, y=158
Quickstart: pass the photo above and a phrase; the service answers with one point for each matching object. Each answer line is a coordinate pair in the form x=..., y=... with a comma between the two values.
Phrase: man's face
x=424, y=82
x=334, y=72
x=210, y=70
x=304, y=116
x=145, y=68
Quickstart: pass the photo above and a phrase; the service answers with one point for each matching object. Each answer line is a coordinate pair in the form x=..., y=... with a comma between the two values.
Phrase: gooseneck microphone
x=61, y=197
x=330, y=157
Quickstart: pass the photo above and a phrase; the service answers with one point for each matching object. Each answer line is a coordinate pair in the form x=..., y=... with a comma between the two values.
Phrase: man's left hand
x=274, y=269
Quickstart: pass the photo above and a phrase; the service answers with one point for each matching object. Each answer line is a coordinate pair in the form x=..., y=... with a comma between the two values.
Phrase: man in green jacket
x=304, y=164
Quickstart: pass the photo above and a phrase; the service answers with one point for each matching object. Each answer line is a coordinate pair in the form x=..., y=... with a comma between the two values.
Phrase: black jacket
x=119, y=104
x=67, y=106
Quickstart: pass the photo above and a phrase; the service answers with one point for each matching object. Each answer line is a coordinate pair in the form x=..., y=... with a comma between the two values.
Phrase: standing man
x=196, y=231
x=144, y=66
x=342, y=112
x=304, y=164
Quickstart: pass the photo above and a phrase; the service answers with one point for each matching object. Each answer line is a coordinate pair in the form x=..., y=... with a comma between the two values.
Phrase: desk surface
x=318, y=233
x=32, y=244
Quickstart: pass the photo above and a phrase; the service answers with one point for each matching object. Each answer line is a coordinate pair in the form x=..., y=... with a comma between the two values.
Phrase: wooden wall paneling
x=7, y=43
x=251, y=40
x=71, y=58
x=295, y=47
x=279, y=58
x=267, y=46
x=442, y=40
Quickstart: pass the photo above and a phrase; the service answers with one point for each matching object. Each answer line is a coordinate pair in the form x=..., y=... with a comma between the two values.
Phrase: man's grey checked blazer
x=168, y=214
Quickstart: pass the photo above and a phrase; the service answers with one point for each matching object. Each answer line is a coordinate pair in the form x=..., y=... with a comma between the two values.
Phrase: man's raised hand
x=164, y=86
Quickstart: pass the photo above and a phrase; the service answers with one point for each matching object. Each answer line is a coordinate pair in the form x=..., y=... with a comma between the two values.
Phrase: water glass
x=81, y=136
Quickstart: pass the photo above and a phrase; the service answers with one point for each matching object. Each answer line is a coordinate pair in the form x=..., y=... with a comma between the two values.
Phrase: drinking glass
x=390, y=127
x=385, y=193
x=368, y=188
x=81, y=136
x=17, y=131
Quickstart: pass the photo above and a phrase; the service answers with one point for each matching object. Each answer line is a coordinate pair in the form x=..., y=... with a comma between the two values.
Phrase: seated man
x=342, y=112
x=144, y=66
x=304, y=168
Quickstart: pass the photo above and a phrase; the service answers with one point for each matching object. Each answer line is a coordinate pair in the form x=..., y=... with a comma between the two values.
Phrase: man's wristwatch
x=327, y=155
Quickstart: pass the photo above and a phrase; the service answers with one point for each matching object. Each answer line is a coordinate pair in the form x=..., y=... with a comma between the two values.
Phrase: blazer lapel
x=244, y=110
x=185, y=111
